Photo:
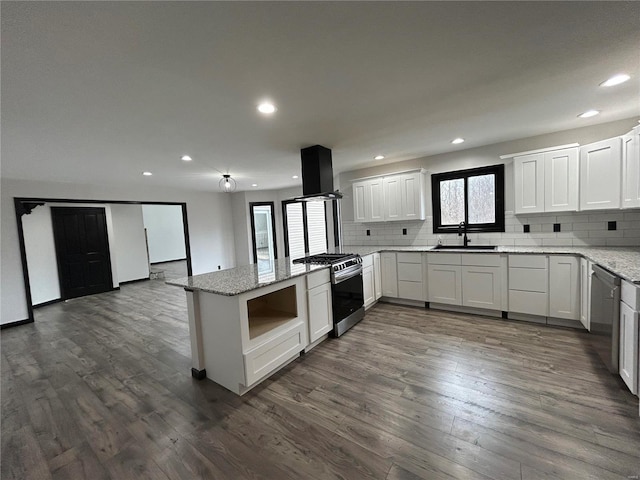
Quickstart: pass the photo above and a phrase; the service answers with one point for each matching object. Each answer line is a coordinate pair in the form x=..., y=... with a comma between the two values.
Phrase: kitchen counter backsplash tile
x=235, y=281
x=579, y=229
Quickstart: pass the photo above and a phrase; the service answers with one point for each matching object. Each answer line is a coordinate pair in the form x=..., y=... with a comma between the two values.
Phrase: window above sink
x=474, y=196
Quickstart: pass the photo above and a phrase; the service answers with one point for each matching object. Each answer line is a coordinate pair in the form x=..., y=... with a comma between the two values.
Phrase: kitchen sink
x=467, y=248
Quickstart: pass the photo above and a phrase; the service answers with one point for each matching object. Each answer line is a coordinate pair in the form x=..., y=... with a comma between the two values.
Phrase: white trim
x=540, y=150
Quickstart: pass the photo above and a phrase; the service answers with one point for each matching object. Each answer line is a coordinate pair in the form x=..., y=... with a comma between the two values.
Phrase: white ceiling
x=98, y=92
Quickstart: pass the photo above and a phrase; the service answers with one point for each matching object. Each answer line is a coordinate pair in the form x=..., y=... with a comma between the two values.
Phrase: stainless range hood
x=317, y=175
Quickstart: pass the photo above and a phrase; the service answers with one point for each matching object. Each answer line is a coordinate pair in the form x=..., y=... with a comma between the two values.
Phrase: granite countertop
x=235, y=281
x=621, y=261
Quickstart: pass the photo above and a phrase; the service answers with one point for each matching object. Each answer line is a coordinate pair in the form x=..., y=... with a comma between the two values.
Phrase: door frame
x=253, y=228
x=25, y=205
x=103, y=210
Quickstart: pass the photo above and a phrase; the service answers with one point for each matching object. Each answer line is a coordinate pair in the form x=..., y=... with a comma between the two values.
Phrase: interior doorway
x=127, y=252
x=82, y=250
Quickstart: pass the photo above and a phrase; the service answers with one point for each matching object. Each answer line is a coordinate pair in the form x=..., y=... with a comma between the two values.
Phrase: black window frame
x=497, y=226
x=305, y=226
x=253, y=228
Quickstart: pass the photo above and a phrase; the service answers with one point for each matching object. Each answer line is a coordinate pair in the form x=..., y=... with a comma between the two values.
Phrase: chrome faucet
x=462, y=228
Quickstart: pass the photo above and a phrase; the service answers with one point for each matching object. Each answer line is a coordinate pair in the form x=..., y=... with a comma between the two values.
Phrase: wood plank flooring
x=100, y=388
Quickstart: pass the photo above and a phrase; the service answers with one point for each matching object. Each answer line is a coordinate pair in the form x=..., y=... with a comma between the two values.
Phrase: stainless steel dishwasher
x=605, y=316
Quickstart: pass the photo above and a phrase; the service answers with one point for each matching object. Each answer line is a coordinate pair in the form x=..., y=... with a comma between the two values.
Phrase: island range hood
x=317, y=175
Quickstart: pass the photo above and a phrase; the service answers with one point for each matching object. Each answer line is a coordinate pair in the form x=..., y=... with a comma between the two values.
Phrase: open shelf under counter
x=271, y=310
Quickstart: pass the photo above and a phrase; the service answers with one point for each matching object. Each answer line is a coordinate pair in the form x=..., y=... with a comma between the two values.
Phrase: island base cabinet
x=265, y=358
x=320, y=311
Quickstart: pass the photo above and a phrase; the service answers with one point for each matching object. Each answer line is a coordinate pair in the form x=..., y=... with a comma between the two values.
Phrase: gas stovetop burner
x=326, y=258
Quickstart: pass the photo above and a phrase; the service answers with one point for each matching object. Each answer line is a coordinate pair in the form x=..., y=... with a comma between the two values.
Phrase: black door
x=82, y=248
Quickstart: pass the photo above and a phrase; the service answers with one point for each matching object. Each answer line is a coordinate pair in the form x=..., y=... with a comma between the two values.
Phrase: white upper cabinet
x=389, y=198
x=412, y=191
x=561, y=180
x=392, y=197
x=600, y=174
x=368, y=200
x=546, y=181
x=631, y=169
x=529, y=183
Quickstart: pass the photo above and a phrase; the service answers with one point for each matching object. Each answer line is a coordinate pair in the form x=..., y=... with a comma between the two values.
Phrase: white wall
x=165, y=232
x=41, y=255
x=242, y=220
x=209, y=217
x=128, y=247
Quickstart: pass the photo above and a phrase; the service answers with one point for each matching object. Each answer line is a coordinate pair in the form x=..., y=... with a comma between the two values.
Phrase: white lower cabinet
x=470, y=280
x=368, y=286
x=377, y=276
x=629, y=346
x=585, y=293
x=564, y=287
x=320, y=311
x=629, y=359
x=411, y=276
x=529, y=284
x=445, y=284
x=389, y=268
x=481, y=287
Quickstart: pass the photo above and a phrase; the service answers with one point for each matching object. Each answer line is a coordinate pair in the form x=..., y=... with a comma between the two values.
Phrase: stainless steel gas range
x=346, y=287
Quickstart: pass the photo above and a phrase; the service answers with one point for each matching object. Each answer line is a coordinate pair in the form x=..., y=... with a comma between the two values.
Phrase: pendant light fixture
x=227, y=184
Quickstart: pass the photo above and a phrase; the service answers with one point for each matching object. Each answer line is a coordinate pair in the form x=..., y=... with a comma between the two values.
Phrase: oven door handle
x=346, y=274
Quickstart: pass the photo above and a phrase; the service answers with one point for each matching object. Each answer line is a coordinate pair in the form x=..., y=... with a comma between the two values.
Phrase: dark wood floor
x=100, y=387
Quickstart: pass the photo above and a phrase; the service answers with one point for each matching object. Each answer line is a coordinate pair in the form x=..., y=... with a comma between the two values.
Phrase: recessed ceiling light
x=455, y=141
x=379, y=157
x=589, y=113
x=295, y=176
x=186, y=158
x=267, y=108
x=147, y=174
x=254, y=184
x=615, y=80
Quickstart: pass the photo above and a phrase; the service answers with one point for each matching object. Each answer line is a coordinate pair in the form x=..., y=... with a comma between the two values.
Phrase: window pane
x=482, y=199
x=317, y=228
x=295, y=232
x=452, y=201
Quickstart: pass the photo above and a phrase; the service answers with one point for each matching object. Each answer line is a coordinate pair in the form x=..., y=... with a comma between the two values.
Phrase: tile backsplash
x=576, y=229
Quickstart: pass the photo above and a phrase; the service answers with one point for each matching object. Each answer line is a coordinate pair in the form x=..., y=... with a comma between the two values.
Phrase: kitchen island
x=245, y=324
